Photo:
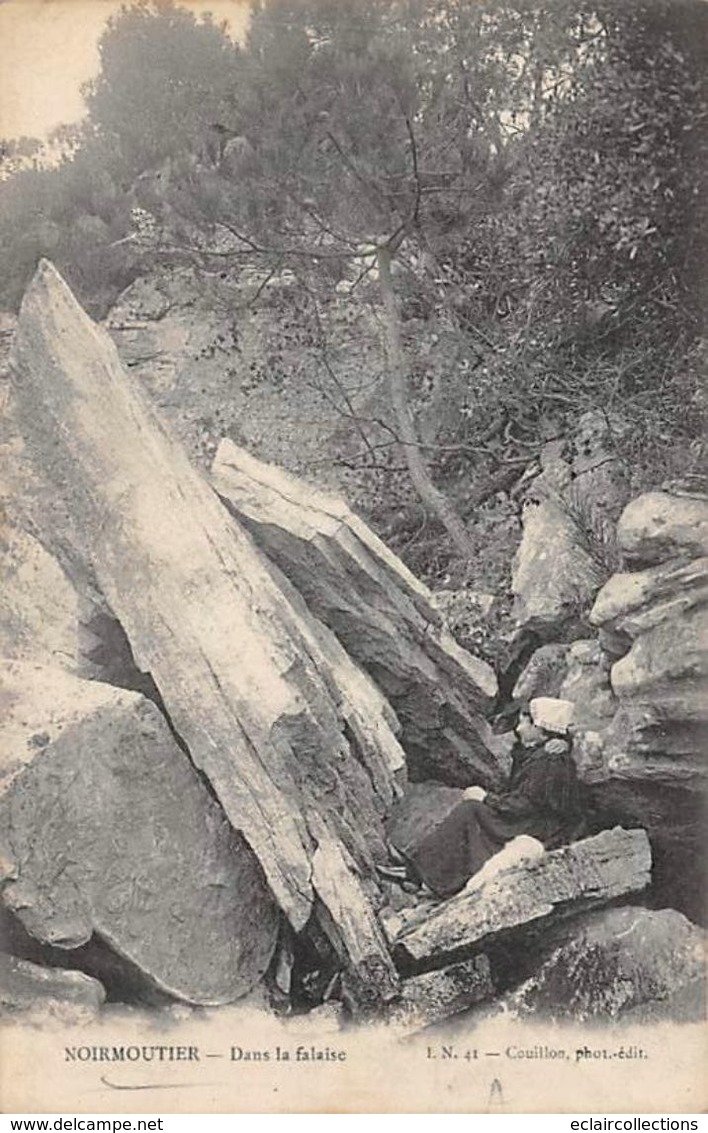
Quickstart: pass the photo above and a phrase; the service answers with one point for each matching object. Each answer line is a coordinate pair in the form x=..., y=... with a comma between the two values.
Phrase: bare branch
x=254, y=249
x=263, y=284
x=366, y=270
x=325, y=228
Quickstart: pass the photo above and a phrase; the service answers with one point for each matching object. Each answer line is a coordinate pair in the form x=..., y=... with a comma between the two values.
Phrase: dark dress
x=543, y=799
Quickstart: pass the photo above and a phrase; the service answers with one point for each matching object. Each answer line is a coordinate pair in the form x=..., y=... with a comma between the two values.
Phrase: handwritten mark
x=495, y=1101
x=157, y=1085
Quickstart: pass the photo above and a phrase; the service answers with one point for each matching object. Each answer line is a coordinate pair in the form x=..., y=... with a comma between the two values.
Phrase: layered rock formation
x=379, y=611
x=640, y=688
x=271, y=644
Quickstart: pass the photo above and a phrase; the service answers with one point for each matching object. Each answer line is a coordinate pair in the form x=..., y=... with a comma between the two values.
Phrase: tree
x=603, y=236
x=163, y=83
x=350, y=141
x=165, y=78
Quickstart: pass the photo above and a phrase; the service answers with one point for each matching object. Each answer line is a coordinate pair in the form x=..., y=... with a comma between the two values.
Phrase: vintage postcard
x=354, y=537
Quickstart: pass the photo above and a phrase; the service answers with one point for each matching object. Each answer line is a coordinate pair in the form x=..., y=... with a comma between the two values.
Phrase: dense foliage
x=534, y=168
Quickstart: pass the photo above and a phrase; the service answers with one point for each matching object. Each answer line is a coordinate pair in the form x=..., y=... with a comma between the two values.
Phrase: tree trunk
x=430, y=496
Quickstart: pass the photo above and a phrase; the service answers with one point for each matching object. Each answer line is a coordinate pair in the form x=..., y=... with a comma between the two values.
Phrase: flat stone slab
x=435, y=996
x=571, y=879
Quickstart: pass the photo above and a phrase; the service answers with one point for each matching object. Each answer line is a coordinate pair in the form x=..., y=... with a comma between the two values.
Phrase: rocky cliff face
x=134, y=609
x=640, y=687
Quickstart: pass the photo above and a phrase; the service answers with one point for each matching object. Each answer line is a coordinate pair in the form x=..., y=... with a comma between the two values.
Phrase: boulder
x=41, y=613
x=543, y=674
x=568, y=544
x=554, y=577
x=283, y=724
x=625, y=963
x=432, y=997
x=659, y=525
x=52, y=615
x=633, y=603
x=527, y=896
x=587, y=685
x=107, y=829
x=30, y=993
x=667, y=669
x=382, y=614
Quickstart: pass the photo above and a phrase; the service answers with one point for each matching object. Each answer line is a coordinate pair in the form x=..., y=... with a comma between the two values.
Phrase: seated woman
x=542, y=799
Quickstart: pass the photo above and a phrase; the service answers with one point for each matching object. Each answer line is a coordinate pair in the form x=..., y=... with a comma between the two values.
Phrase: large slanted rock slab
x=623, y=963
x=265, y=699
x=380, y=612
x=107, y=829
x=30, y=993
x=351, y=924
x=571, y=879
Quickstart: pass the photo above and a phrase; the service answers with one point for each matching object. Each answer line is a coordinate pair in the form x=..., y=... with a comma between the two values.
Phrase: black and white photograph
x=353, y=556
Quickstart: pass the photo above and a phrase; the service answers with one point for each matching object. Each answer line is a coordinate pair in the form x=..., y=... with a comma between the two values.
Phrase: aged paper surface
x=241, y=1058
x=507, y=1067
